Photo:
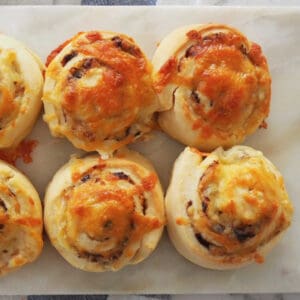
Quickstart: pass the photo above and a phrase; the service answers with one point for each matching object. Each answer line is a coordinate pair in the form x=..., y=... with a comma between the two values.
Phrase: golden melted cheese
x=102, y=209
x=242, y=200
x=221, y=82
x=21, y=83
x=226, y=209
x=100, y=87
x=11, y=87
x=109, y=209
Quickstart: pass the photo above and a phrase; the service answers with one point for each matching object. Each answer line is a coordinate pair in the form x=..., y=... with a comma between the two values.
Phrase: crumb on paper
x=263, y=125
x=22, y=151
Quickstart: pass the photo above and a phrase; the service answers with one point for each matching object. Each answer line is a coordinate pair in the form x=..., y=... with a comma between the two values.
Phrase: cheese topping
x=108, y=214
x=243, y=204
x=228, y=79
x=100, y=87
x=105, y=212
x=21, y=83
x=219, y=80
x=11, y=87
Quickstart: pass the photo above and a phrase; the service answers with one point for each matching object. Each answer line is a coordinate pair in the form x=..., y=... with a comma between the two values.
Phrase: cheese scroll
x=214, y=86
x=21, y=223
x=228, y=209
x=98, y=92
x=102, y=215
x=21, y=85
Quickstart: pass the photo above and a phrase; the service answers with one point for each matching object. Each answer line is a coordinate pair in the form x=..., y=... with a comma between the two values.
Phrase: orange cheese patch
x=106, y=212
x=105, y=90
x=28, y=221
x=23, y=150
x=240, y=201
x=233, y=79
x=149, y=182
x=7, y=105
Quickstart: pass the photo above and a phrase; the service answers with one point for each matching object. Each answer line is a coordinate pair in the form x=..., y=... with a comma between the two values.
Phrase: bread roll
x=21, y=84
x=227, y=210
x=21, y=222
x=102, y=215
x=98, y=92
x=213, y=84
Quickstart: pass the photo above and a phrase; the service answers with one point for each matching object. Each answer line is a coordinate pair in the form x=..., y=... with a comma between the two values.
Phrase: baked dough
x=228, y=209
x=21, y=84
x=98, y=92
x=102, y=215
x=21, y=222
x=213, y=84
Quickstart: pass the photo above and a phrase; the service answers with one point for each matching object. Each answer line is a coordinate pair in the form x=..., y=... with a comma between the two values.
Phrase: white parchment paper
x=278, y=31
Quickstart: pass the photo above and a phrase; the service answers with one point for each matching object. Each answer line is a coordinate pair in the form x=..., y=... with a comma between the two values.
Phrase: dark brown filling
x=202, y=241
x=205, y=202
x=189, y=204
x=123, y=176
x=108, y=224
x=85, y=178
x=127, y=131
x=192, y=51
x=3, y=205
x=195, y=97
x=99, y=258
x=144, y=205
x=86, y=64
x=76, y=73
x=126, y=46
x=243, y=49
x=68, y=57
x=244, y=233
x=138, y=133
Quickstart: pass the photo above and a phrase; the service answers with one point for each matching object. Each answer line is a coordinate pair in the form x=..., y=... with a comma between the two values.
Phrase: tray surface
x=165, y=271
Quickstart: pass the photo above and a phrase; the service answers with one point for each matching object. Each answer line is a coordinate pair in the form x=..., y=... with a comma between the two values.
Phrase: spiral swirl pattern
x=103, y=215
x=214, y=85
x=98, y=91
x=227, y=210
